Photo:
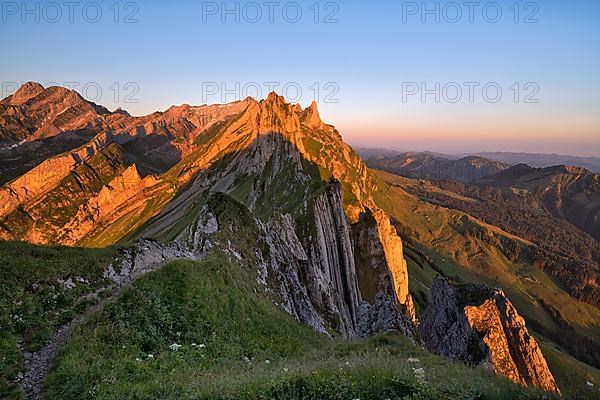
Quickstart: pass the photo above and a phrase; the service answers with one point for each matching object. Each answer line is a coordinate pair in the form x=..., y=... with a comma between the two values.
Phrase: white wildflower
x=590, y=384
x=174, y=346
x=150, y=355
x=246, y=359
x=202, y=345
x=17, y=318
x=419, y=373
x=413, y=360
x=267, y=362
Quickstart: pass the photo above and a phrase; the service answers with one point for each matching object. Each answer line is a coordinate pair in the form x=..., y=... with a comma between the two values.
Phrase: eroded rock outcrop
x=383, y=316
x=394, y=257
x=332, y=251
x=479, y=325
x=387, y=306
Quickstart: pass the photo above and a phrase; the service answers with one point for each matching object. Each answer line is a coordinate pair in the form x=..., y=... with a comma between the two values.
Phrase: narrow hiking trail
x=144, y=257
x=38, y=364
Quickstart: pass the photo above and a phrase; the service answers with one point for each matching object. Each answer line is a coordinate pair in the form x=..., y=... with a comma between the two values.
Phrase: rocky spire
x=311, y=118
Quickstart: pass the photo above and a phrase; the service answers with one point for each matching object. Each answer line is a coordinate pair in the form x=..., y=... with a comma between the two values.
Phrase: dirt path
x=146, y=256
x=38, y=365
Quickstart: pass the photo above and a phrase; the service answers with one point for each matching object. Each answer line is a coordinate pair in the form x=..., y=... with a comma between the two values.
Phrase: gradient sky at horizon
x=175, y=53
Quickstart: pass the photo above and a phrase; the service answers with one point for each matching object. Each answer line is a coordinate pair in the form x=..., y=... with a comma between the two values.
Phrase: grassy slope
x=245, y=348
x=570, y=374
x=33, y=303
x=468, y=258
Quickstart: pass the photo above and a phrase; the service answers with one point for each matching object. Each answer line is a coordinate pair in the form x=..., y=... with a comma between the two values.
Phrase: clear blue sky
x=175, y=54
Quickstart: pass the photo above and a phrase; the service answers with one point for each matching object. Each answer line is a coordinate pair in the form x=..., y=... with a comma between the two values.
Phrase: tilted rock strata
x=524, y=352
x=117, y=193
x=274, y=250
x=392, y=246
x=334, y=254
x=313, y=277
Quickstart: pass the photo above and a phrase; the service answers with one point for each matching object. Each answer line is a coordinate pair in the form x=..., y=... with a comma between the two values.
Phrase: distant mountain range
x=432, y=166
x=570, y=193
x=544, y=160
x=532, y=159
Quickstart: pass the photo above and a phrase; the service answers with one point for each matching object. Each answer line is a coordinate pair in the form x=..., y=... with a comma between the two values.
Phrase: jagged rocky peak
x=277, y=115
x=269, y=120
x=479, y=325
x=123, y=112
x=35, y=112
x=26, y=92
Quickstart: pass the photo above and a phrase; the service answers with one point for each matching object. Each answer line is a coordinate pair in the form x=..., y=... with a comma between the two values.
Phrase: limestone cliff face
x=479, y=325
x=332, y=257
x=318, y=143
x=66, y=210
x=46, y=176
x=393, y=250
x=340, y=160
x=381, y=311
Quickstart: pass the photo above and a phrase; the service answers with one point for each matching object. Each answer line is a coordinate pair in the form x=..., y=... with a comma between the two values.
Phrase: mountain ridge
x=304, y=209
x=432, y=166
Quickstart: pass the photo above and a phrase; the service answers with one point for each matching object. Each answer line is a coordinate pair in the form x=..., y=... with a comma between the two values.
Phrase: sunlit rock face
x=477, y=324
x=139, y=177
